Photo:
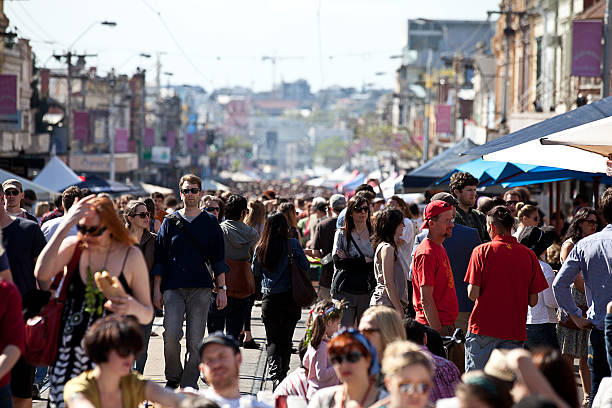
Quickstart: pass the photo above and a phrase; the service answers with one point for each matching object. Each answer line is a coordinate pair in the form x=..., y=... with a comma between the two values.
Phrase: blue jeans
x=478, y=349
x=597, y=360
x=6, y=398
x=140, y=362
x=192, y=303
x=231, y=318
x=542, y=335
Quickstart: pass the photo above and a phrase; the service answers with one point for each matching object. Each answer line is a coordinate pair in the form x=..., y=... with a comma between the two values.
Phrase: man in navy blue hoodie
x=189, y=263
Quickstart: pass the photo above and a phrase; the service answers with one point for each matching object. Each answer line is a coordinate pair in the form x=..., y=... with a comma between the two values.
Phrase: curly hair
x=605, y=205
x=460, y=180
x=574, y=232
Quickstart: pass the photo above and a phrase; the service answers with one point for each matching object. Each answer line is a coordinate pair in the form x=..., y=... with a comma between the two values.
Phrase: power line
x=176, y=42
x=42, y=30
x=20, y=22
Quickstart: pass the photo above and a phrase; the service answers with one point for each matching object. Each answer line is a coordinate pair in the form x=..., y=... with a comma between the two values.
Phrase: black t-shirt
x=23, y=241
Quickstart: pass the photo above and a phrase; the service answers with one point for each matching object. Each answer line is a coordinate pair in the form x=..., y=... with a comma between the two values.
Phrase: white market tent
x=42, y=192
x=56, y=175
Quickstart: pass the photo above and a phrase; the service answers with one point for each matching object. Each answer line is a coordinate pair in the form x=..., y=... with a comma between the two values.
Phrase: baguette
x=109, y=285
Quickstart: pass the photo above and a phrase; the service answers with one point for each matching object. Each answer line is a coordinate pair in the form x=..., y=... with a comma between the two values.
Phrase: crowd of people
x=395, y=283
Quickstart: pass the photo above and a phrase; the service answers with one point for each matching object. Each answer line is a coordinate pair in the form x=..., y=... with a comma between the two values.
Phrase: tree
x=332, y=151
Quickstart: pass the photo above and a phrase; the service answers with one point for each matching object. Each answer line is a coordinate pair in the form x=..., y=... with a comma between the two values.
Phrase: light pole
x=111, y=125
x=68, y=56
x=143, y=107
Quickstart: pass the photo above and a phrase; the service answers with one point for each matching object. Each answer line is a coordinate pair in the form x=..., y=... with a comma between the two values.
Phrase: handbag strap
x=73, y=266
x=355, y=244
x=179, y=222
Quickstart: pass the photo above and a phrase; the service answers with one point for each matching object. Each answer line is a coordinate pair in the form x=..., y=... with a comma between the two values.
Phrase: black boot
x=275, y=370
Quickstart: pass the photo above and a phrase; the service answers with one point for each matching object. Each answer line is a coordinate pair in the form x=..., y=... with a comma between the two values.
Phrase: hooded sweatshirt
x=240, y=240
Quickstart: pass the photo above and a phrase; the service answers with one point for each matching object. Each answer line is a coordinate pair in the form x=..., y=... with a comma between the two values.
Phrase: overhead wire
x=38, y=26
x=33, y=34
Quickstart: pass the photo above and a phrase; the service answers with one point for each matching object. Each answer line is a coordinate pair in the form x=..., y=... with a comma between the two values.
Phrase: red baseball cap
x=433, y=209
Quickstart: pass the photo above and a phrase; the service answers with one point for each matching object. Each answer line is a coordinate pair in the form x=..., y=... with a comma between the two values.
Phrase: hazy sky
x=217, y=43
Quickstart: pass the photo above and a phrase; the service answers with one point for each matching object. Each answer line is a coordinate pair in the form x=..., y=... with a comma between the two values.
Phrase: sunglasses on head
x=351, y=357
x=363, y=209
x=211, y=209
x=11, y=192
x=92, y=231
x=193, y=190
x=411, y=388
x=142, y=215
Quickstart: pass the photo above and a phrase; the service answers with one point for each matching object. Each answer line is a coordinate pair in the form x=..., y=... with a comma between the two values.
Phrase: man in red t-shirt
x=12, y=334
x=503, y=278
x=433, y=296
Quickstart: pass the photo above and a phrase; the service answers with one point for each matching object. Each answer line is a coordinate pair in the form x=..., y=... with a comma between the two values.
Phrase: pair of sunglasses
x=91, y=231
x=412, y=388
x=363, y=209
x=11, y=192
x=351, y=357
x=193, y=190
x=211, y=209
x=124, y=351
x=142, y=215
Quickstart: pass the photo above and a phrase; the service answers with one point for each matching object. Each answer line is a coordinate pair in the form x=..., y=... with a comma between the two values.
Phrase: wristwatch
x=222, y=287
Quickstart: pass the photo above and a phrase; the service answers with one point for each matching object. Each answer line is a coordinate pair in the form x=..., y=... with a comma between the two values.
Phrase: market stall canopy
x=594, y=137
x=439, y=166
x=524, y=146
x=56, y=175
x=99, y=185
x=210, y=184
x=42, y=192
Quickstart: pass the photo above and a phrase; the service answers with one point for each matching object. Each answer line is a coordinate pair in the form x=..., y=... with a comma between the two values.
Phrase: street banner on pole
x=170, y=139
x=444, y=118
x=586, y=48
x=149, y=137
x=81, y=125
x=8, y=94
x=121, y=140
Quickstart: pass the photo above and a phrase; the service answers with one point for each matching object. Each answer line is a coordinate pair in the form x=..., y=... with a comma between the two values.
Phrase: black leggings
x=280, y=315
x=247, y=317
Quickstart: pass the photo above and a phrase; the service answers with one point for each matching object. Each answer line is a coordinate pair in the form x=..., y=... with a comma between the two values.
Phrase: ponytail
x=323, y=312
x=501, y=217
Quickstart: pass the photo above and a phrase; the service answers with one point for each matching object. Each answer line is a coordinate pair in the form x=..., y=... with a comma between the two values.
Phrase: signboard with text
x=444, y=118
x=586, y=48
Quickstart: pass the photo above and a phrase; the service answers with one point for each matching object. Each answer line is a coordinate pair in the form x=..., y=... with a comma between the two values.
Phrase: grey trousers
x=193, y=304
x=355, y=306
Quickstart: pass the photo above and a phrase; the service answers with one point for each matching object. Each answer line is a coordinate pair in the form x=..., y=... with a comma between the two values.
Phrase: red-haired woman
x=356, y=365
x=102, y=244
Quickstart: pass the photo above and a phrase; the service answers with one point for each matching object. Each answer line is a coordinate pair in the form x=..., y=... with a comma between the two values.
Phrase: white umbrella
x=594, y=137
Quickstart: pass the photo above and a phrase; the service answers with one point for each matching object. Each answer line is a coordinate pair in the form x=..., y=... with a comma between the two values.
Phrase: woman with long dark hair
x=102, y=244
x=353, y=255
x=279, y=311
x=574, y=341
x=391, y=281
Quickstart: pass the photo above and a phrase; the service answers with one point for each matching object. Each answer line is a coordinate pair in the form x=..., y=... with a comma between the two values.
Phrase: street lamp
x=92, y=25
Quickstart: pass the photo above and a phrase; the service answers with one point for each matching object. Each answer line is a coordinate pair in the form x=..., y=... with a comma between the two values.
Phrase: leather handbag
x=239, y=280
x=43, y=330
x=303, y=292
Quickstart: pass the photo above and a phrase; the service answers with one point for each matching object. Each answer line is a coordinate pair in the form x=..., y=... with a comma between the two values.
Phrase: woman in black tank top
x=102, y=244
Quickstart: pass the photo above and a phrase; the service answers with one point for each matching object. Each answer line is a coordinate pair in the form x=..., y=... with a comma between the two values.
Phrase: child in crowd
x=322, y=324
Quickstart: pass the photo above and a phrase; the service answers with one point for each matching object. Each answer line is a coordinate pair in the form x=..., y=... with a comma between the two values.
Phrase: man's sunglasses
x=193, y=190
x=411, y=388
x=363, y=209
x=11, y=192
x=92, y=231
x=142, y=215
x=351, y=357
x=512, y=202
x=211, y=209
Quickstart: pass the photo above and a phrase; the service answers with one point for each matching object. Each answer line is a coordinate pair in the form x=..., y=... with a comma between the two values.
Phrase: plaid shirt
x=446, y=377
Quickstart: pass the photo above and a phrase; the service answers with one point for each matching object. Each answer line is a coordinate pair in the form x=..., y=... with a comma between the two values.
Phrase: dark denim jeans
x=6, y=398
x=193, y=305
x=140, y=362
x=542, y=335
x=598, y=361
x=231, y=318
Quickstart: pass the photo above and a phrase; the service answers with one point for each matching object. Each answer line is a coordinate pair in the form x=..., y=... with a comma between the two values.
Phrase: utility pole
x=428, y=86
x=111, y=123
x=457, y=59
x=68, y=113
x=508, y=37
x=607, y=37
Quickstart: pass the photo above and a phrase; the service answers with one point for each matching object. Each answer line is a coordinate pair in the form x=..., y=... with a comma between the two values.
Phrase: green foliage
x=332, y=151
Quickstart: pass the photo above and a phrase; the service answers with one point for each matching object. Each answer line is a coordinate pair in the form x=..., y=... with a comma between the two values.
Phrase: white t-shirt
x=545, y=311
x=247, y=400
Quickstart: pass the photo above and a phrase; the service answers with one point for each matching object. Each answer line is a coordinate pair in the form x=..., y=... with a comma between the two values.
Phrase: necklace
x=94, y=298
x=363, y=400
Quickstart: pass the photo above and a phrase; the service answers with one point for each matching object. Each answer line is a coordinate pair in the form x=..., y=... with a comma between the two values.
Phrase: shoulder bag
x=301, y=286
x=353, y=275
x=42, y=331
x=179, y=222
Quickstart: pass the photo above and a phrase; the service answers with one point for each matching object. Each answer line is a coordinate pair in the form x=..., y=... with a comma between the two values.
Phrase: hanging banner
x=170, y=139
x=80, y=119
x=149, y=137
x=586, y=48
x=121, y=140
x=160, y=154
x=444, y=118
x=190, y=139
x=201, y=146
x=8, y=94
